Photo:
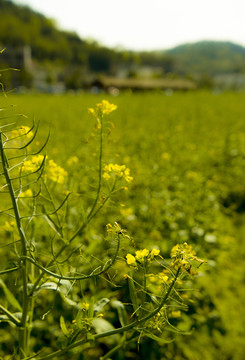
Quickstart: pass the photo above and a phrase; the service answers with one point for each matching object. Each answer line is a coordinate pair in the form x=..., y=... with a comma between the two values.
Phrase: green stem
x=65, y=246
x=144, y=289
x=112, y=351
x=115, y=331
x=118, y=347
x=23, y=330
x=31, y=313
x=3, y=272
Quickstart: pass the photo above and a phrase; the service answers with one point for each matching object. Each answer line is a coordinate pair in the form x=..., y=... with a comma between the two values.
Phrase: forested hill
x=20, y=26
x=210, y=57
x=68, y=58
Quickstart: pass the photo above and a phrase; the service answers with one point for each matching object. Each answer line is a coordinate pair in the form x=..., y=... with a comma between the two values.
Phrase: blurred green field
x=186, y=153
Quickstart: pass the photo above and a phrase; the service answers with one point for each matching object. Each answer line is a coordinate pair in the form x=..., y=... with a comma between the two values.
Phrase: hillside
x=61, y=56
x=21, y=26
x=208, y=57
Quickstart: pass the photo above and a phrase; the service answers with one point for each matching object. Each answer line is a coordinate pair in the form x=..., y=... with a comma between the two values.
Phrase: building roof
x=144, y=84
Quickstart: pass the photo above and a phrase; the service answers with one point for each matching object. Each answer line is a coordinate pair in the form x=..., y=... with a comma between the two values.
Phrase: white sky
x=147, y=24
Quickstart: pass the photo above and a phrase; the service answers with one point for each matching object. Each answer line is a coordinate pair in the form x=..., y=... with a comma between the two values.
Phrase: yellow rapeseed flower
x=166, y=156
x=9, y=226
x=85, y=306
x=126, y=175
x=55, y=172
x=27, y=193
x=72, y=160
x=23, y=130
x=154, y=252
x=164, y=278
x=121, y=171
x=103, y=108
x=33, y=164
x=141, y=255
x=125, y=212
x=175, y=313
x=106, y=176
x=131, y=260
x=182, y=255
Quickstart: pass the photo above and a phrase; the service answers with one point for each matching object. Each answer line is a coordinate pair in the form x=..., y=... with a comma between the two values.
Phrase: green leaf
x=122, y=314
x=53, y=225
x=101, y=325
x=157, y=338
x=10, y=297
x=99, y=305
x=177, y=331
x=49, y=285
x=62, y=288
x=63, y=326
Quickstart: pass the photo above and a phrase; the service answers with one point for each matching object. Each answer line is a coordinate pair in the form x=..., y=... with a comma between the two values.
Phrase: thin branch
x=3, y=272
x=10, y=316
x=96, y=272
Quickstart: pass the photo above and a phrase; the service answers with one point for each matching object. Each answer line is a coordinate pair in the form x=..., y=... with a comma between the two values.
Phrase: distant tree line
x=70, y=59
x=21, y=26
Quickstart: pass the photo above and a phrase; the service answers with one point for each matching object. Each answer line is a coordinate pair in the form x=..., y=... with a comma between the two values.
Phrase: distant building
x=18, y=57
x=108, y=83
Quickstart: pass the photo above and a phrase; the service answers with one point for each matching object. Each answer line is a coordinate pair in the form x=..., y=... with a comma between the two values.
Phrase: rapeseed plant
x=66, y=265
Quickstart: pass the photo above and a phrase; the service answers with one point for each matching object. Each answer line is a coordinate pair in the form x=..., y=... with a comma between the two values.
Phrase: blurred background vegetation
x=54, y=60
x=187, y=158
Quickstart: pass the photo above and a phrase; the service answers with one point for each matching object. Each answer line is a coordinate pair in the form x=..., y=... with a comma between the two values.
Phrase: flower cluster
x=72, y=160
x=9, y=229
x=33, y=164
x=55, y=172
x=182, y=255
x=9, y=226
x=160, y=278
x=115, y=229
x=27, y=193
x=103, y=108
x=23, y=130
x=115, y=170
x=141, y=256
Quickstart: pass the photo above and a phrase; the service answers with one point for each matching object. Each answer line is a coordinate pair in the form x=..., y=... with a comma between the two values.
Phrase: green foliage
x=186, y=154
x=60, y=266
